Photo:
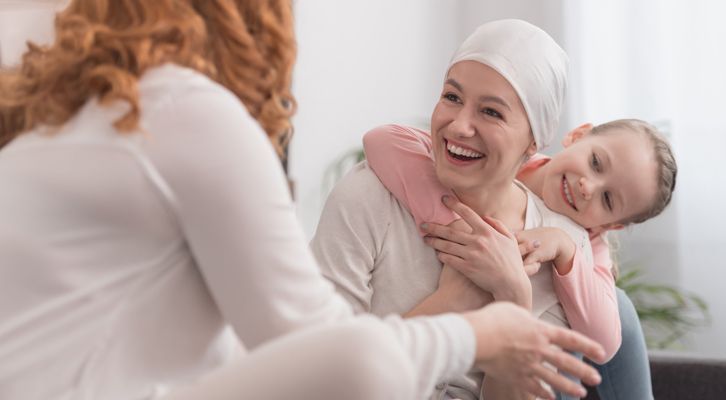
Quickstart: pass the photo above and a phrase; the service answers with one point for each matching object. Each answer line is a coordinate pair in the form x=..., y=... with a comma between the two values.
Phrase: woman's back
x=100, y=291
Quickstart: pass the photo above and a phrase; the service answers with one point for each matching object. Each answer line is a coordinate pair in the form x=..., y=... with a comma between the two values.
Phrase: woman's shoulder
x=180, y=101
x=170, y=83
x=360, y=186
x=192, y=125
x=176, y=78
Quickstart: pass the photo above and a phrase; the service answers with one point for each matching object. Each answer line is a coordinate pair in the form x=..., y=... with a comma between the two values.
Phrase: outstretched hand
x=512, y=346
x=488, y=255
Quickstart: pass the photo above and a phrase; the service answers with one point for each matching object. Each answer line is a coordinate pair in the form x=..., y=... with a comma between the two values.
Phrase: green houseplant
x=667, y=313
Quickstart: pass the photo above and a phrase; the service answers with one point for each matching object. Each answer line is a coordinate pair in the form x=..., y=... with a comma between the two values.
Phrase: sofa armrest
x=684, y=376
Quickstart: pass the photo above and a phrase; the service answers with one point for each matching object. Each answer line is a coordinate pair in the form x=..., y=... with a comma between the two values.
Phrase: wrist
x=565, y=255
x=519, y=293
x=431, y=305
x=484, y=334
x=443, y=301
x=448, y=301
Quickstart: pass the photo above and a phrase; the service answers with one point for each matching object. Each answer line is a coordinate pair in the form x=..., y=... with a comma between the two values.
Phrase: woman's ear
x=532, y=149
x=576, y=134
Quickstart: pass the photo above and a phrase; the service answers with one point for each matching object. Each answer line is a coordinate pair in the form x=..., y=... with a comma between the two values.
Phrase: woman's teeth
x=568, y=195
x=461, y=152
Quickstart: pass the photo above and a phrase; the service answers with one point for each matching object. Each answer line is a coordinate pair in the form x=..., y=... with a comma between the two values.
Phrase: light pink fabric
x=403, y=160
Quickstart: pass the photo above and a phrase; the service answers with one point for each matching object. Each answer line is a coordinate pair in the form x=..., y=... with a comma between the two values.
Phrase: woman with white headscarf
x=500, y=103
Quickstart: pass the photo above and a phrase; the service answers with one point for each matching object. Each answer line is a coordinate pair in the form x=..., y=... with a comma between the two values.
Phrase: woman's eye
x=451, y=97
x=595, y=162
x=492, y=112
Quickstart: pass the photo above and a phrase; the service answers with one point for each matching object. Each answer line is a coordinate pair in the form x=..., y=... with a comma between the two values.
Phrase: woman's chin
x=449, y=179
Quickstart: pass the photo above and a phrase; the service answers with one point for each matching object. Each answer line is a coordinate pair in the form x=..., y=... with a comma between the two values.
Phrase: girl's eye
x=608, y=200
x=451, y=97
x=492, y=112
x=595, y=163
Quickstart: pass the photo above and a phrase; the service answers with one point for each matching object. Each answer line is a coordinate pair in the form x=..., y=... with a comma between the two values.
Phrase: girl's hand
x=540, y=245
x=488, y=255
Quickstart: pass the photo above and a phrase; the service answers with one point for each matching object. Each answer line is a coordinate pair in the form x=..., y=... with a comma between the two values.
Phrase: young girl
x=584, y=182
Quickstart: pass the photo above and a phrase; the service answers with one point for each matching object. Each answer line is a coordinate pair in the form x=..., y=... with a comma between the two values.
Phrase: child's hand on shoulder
x=544, y=244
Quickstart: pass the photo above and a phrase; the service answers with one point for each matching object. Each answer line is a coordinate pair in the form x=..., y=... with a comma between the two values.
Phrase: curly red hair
x=102, y=47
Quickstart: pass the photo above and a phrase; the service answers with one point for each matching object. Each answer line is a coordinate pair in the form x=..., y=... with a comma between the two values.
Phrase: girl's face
x=479, y=128
x=600, y=180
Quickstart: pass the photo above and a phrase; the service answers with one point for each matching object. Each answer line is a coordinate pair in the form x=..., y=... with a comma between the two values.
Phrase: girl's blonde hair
x=667, y=169
x=102, y=47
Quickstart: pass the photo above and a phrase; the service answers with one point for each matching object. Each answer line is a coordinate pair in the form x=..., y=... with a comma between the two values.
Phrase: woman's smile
x=459, y=154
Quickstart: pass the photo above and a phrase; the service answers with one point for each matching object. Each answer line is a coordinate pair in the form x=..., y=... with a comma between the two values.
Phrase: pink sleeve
x=587, y=294
x=402, y=159
x=533, y=163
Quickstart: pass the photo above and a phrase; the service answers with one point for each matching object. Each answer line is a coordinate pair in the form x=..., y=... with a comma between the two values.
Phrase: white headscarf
x=531, y=61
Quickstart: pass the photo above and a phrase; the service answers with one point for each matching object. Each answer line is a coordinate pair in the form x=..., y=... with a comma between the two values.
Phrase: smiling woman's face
x=479, y=128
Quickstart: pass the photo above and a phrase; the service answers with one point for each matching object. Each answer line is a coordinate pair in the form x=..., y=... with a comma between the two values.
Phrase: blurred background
x=363, y=64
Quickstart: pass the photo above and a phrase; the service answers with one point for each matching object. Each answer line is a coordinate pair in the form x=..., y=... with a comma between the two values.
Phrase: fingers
x=566, y=362
x=445, y=232
x=559, y=382
x=499, y=227
x=532, y=268
x=527, y=246
x=534, y=257
x=445, y=246
x=452, y=261
x=533, y=386
x=576, y=342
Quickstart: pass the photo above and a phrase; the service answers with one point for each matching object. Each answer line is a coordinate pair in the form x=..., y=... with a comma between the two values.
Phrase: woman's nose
x=463, y=125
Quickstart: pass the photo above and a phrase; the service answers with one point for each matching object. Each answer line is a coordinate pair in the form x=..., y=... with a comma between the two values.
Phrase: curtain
x=663, y=61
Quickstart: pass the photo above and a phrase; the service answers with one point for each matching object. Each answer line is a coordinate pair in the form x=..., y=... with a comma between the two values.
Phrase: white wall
x=656, y=60
x=21, y=21
x=700, y=139
x=360, y=65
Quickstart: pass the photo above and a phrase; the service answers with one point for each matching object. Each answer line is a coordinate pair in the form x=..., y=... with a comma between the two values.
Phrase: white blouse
x=123, y=257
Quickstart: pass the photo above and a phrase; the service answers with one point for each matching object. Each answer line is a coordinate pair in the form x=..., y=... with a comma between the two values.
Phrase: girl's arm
x=402, y=159
x=587, y=289
x=587, y=294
